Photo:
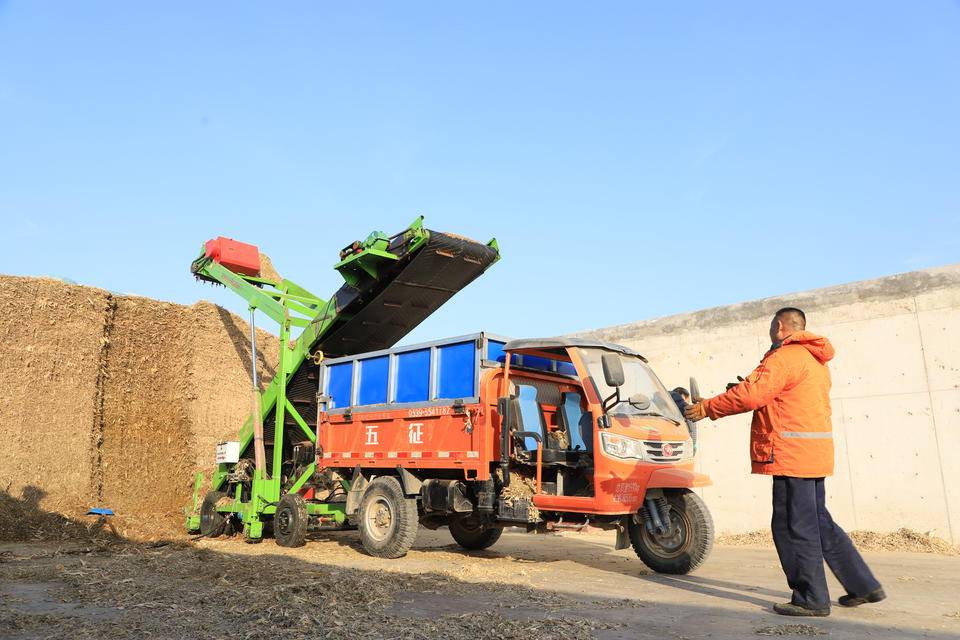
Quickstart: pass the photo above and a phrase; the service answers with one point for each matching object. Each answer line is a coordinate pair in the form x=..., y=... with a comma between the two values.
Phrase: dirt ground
x=547, y=586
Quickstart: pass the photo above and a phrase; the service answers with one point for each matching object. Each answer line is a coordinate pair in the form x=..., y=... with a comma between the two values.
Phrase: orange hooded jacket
x=789, y=393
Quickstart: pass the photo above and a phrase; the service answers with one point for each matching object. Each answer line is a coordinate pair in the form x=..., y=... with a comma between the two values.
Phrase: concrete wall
x=896, y=397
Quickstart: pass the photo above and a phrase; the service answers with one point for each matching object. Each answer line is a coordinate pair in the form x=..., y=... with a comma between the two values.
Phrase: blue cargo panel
x=431, y=372
x=566, y=368
x=495, y=351
x=413, y=376
x=536, y=362
x=456, y=370
x=340, y=384
x=373, y=380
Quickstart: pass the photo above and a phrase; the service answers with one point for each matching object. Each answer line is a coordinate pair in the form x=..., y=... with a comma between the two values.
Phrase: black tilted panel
x=404, y=296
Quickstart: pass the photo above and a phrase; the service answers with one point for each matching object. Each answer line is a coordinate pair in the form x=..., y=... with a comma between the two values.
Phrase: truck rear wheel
x=388, y=519
x=212, y=522
x=290, y=521
x=688, y=542
x=470, y=533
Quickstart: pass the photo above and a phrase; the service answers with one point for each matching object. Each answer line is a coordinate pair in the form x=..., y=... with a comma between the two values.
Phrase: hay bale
x=52, y=341
x=146, y=431
x=116, y=400
x=179, y=382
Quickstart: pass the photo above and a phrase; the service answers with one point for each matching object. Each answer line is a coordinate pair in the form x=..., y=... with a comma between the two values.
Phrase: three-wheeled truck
x=476, y=433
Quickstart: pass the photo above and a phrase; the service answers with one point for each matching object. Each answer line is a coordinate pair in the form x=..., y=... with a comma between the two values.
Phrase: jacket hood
x=818, y=346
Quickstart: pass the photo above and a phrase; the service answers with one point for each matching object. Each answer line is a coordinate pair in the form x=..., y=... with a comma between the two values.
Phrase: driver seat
x=577, y=422
x=530, y=418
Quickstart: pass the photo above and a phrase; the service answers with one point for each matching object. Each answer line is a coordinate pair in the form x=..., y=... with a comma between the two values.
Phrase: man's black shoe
x=851, y=600
x=790, y=609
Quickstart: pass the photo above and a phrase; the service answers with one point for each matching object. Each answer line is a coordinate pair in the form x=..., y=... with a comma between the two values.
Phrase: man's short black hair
x=682, y=391
x=792, y=316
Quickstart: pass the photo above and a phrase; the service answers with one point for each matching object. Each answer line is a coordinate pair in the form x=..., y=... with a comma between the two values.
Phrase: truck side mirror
x=694, y=390
x=612, y=369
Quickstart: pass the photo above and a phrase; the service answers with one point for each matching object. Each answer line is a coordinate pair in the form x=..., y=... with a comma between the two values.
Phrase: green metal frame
x=292, y=307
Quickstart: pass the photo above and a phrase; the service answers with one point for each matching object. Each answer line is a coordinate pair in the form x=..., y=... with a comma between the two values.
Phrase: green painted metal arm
x=291, y=305
x=271, y=302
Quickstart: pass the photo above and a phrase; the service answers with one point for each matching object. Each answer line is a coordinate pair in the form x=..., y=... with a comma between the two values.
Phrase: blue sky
x=634, y=159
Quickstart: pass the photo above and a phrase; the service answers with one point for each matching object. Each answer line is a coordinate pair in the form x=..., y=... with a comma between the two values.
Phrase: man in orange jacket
x=791, y=438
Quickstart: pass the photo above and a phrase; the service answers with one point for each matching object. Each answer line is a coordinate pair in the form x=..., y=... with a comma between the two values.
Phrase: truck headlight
x=621, y=446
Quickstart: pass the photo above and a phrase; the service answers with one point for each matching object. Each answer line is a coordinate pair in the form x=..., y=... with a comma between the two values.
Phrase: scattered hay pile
x=114, y=401
x=267, y=270
x=173, y=591
x=521, y=487
x=900, y=540
x=790, y=630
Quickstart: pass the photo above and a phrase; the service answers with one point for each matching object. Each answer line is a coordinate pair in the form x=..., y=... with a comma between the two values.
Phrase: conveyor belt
x=376, y=315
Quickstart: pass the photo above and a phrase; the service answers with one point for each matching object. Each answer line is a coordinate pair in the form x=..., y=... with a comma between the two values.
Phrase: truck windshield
x=639, y=378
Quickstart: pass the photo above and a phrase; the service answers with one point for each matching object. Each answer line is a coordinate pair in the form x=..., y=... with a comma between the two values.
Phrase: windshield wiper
x=650, y=414
x=654, y=414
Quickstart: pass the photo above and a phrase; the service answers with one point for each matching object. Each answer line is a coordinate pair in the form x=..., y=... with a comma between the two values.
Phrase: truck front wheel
x=685, y=545
x=470, y=533
x=388, y=519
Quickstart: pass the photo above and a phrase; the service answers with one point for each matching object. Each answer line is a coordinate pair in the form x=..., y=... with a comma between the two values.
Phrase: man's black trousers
x=805, y=536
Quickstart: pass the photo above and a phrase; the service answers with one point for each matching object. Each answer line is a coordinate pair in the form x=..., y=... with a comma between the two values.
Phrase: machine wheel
x=388, y=519
x=212, y=522
x=470, y=533
x=686, y=545
x=290, y=521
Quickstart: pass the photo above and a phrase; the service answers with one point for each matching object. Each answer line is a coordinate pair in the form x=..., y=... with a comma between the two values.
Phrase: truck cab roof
x=561, y=342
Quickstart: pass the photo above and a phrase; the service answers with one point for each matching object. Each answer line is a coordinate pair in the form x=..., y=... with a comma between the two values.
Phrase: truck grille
x=659, y=451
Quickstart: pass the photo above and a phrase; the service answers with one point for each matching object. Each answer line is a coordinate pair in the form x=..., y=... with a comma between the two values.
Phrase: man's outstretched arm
x=758, y=390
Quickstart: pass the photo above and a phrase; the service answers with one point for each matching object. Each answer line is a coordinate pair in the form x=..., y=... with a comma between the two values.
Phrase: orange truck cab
x=478, y=433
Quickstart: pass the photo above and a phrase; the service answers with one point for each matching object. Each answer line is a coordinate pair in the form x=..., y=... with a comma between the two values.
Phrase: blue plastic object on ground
x=99, y=511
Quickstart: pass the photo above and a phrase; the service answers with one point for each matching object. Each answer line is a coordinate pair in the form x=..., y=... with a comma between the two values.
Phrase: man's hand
x=695, y=412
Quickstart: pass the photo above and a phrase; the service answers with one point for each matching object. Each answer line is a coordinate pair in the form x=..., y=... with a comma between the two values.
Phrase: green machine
x=391, y=284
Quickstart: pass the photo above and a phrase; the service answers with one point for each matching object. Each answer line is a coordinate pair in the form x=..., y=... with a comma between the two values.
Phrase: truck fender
x=677, y=479
x=411, y=484
x=358, y=484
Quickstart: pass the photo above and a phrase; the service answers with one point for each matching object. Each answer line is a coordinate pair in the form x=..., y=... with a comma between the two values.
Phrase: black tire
x=290, y=521
x=688, y=543
x=212, y=522
x=388, y=519
x=470, y=533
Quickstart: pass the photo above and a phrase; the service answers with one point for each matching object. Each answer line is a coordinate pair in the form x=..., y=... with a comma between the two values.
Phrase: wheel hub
x=380, y=519
x=672, y=542
x=283, y=522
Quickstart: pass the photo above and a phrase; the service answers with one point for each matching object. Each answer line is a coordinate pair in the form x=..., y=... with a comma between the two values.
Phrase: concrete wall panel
x=894, y=463
x=946, y=414
x=941, y=347
x=877, y=356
